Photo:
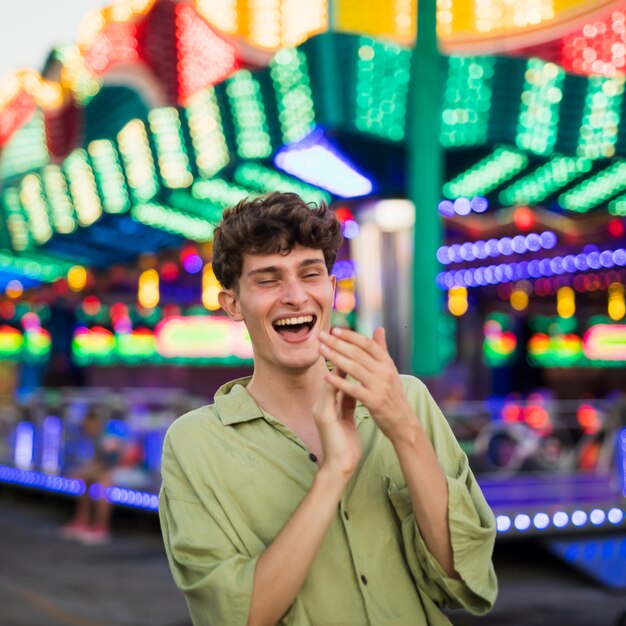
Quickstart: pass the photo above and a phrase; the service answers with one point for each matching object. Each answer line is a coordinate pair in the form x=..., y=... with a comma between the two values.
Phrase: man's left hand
x=374, y=379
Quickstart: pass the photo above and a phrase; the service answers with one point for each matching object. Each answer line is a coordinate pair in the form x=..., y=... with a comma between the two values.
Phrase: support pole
x=424, y=182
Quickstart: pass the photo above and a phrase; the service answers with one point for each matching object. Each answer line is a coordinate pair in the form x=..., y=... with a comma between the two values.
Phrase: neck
x=288, y=396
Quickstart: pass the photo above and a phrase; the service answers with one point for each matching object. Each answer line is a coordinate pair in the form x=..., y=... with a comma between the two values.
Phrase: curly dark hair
x=275, y=222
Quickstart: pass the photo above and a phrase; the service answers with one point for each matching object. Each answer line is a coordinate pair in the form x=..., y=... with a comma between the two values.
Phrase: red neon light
x=203, y=58
x=599, y=47
x=116, y=44
x=524, y=218
x=15, y=115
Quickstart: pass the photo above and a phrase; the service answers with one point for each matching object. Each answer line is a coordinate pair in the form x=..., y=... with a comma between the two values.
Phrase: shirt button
x=363, y=580
x=345, y=514
x=313, y=457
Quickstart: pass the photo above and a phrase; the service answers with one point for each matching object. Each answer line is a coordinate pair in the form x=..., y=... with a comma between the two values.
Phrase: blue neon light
x=38, y=480
x=521, y=522
x=51, y=446
x=472, y=250
x=24, y=445
x=318, y=162
x=130, y=497
x=537, y=268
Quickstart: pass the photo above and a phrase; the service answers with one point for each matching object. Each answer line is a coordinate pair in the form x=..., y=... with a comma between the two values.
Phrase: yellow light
x=210, y=288
x=565, y=302
x=148, y=292
x=14, y=289
x=49, y=95
x=617, y=305
x=457, y=301
x=77, y=278
x=396, y=20
x=519, y=299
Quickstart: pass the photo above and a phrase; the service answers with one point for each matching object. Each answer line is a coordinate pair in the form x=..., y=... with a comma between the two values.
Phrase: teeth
x=290, y=321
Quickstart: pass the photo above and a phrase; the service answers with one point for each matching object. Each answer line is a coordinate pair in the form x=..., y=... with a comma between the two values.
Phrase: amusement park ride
x=506, y=134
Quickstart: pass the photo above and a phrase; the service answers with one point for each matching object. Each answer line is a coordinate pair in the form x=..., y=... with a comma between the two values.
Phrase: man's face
x=285, y=301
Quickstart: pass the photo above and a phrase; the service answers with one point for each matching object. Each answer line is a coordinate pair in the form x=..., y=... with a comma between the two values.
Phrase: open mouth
x=295, y=327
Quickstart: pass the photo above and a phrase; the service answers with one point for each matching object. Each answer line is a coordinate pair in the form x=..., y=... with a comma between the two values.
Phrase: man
x=326, y=489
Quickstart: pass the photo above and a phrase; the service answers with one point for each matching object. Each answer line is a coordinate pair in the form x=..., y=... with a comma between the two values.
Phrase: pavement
x=45, y=581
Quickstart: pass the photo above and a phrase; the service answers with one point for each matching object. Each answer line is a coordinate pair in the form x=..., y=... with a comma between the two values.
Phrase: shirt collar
x=235, y=405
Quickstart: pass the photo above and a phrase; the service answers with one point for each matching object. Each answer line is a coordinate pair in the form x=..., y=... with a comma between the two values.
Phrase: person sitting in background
x=91, y=522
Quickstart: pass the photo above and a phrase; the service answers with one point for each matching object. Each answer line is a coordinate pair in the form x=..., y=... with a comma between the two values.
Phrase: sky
x=29, y=28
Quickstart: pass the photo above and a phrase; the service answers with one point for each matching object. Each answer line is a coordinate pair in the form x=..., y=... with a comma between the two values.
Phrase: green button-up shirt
x=232, y=477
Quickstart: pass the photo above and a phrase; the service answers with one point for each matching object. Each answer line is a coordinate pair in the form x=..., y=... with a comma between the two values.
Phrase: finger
x=349, y=388
x=347, y=404
x=363, y=342
x=326, y=402
x=380, y=338
x=330, y=344
x=349, y=365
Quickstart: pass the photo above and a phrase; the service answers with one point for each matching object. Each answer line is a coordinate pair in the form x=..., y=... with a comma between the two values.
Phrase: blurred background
x=475, y=155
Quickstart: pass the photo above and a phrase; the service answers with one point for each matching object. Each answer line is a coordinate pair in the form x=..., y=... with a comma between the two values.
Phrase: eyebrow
x=273, y=269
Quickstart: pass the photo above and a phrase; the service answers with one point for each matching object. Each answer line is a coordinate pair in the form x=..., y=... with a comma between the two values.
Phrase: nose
x=294, y=294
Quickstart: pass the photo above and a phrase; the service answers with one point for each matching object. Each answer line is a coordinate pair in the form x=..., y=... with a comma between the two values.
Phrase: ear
x=229, y=301
x=333, y=282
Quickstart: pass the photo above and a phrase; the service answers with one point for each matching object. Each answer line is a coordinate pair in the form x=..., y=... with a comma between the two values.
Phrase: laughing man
x=326, y=489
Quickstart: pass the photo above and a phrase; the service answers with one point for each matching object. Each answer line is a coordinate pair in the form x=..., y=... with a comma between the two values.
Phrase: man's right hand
x=334, y=419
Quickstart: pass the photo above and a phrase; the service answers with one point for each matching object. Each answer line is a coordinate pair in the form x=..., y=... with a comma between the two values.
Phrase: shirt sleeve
x=213, y=572
x=471, y=521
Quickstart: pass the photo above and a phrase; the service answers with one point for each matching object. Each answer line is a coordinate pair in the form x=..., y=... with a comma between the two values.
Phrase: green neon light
x=545, y=180
x=15, y=220
x=467, y=101
x=601, y=117
x=618, y=206
x=171, y=154
x=153, y=214
x=539, y=113
x=487, y=174
x=82, y=187
x=36, y=265
x=36, y=209
x=186, y=203
x=555, y=350
x=202, y=337
x=37, y=344
x=219, y=192
x=296, y=112
x=248, y=110
x=264, y=179
x=33, y=346
x=596, y=189
x=11, y=342
x=62, y=212
x=92, y=345
x=138, y=162
x=109, y=176
x=381, y=88
x=200, y=340
x=207, y=133
x=27, y=149
x=569, y=350
x=136, y=346
x=500, y=343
